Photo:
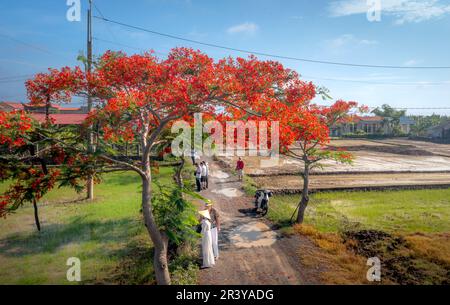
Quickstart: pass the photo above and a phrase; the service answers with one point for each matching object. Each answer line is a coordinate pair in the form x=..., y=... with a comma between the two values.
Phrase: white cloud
x=247, y=28
x=404, y=11
x=411, y=62
x=348, y=39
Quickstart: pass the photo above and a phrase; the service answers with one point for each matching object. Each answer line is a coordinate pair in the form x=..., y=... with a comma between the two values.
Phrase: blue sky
x=35, y=35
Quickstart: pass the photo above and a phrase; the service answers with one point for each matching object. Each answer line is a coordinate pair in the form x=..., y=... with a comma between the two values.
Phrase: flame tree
x=305, y=137
x=139, y=96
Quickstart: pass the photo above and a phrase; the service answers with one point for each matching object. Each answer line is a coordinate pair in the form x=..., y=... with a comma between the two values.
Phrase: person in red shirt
x=240, y=168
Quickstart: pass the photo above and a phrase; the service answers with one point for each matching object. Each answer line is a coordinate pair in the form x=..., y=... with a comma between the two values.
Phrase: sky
x=36, y=35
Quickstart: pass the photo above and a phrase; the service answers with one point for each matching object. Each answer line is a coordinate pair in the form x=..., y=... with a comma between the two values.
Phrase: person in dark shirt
x=240, y=169
x=198, y=177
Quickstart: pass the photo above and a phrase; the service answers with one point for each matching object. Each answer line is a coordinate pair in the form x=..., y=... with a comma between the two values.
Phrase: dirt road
x=358, y=181
x=251, y=252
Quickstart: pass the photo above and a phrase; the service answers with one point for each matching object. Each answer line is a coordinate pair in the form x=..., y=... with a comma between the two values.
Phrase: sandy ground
x=291, y=182
x=410, y=145
x=251, y=252
x=395, y=155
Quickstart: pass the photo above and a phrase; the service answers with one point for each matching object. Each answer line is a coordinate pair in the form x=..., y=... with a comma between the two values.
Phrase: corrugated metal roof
x=407, y=120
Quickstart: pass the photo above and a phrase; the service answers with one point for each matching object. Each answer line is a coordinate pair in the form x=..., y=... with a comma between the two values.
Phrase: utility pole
x=90, y=140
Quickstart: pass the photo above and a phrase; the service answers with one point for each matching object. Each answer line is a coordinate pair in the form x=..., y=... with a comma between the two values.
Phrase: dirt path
x=251, y=252
x=356, y=181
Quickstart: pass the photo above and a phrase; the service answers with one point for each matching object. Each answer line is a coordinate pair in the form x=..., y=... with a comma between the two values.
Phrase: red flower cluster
x=56, y=85
x=13, y=128
x=31, y=185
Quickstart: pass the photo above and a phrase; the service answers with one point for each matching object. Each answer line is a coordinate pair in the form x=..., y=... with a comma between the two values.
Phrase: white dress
x=207, y=247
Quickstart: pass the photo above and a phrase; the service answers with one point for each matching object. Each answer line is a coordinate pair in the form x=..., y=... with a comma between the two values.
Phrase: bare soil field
x=291, y=183
x=396, y=155
x=378, y=163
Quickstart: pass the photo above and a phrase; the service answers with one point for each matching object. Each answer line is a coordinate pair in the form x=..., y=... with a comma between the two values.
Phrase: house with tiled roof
x=406, y=123
x=11, y=106
x=360, y=124
x=371, y=125
x=61, y=118
x=60, y=115
x=440, y=132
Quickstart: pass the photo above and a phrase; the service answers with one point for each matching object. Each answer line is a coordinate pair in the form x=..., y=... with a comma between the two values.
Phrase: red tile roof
x=20, y=106
x=69, y=108
x=369, y=118
x=62, y=118
x=43, y=105
x=17, y=106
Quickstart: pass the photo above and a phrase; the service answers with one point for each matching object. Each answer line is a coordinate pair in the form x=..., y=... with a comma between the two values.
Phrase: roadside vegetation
x=107, y=235
x=408, y=230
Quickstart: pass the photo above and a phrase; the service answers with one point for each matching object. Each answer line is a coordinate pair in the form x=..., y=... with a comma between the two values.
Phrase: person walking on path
x=207, y=173
x=207, y=246
x=215, y=228
x=204, y=174
x=240, y=169
x=198, y=177
x=193, y=153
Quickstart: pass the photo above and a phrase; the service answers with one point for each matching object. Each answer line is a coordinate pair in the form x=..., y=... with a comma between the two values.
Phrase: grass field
x=409, y=231
x=107, y=235
x=391, y=211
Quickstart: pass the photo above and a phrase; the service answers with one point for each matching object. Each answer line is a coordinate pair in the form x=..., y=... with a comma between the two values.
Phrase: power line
x=418, y=83
x=3, y=78
x=27, y=44
x=33, y=46
x=268, y=54
x=128, y=46
x=103, y=16
x=416, y=108
x=13, y=81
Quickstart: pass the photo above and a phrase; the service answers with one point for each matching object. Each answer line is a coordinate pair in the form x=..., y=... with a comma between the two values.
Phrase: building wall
x=405, y=128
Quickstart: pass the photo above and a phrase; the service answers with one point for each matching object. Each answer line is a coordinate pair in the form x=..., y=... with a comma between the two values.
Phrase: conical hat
x=205, y=213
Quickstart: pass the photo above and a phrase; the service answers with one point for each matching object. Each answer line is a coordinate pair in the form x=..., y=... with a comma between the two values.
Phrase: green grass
x=249, y=186
x=391, y=211
x=107, y=235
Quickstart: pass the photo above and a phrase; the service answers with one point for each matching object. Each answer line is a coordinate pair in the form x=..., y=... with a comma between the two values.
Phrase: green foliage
x=391, y=117
x=423, y=123
x=184, y=268
x=175, y=215
x=249, y=186
x=387, y=111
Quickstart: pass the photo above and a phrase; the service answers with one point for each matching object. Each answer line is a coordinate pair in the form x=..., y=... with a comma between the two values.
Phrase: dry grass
x=409, y=259
x=341, y=265
x=434, y=247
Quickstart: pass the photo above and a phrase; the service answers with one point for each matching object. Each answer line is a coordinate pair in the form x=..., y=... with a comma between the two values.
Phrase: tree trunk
x=159, y=239
x=36, y=215
x=305, y=195
x=178, y=178
x=90, y=188
x=47, y=109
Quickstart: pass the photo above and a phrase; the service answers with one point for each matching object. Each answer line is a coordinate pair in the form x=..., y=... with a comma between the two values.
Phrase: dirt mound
x=399, y=262
x=408, y=150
